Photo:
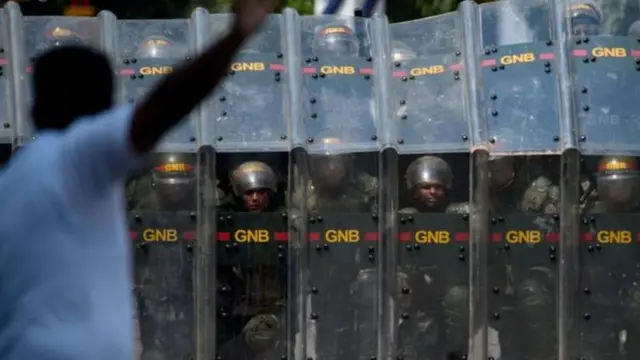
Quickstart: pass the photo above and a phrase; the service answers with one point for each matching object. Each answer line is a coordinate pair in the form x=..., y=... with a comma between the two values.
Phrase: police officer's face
x=431, y=194
x=256, y=200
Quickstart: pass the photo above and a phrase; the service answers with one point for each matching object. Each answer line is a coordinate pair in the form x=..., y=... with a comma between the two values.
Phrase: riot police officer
x=335, y=40
x=429, y=180
x=618, y=185
x=169, y=186
x=586, y=18
x=336, y=184
x=254, y=186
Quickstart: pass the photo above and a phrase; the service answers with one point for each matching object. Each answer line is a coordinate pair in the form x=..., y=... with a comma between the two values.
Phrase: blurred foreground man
x=65, y=271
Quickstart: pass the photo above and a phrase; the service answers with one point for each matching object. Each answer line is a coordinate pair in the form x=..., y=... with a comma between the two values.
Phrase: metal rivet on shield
x=487, y=51
x=578, y=41
x=507, y=247
x=367, y=77
x=404, y=78
x=411, y=77
x=592, y=219
x=314, y=290
x=590, y=248
x=556, y=217
x=494, y=112
x=313, y=115
x=137, y=218
x=403, y=116
x=494, y=221
x=134, y=60
x=133, y=77
x=325, y=247
x=400, y=141
x=187, y=57
x=374, y=217
x=585, y=221
x=593, y=59
x=587, y=291
x=494, y=68
x=552, y=257
x=585, y=40
x=219, y=138
x=224, y=113
x=1, y=50
x=552, y=249
x=369, y=58
x=598, y=247
x=193, y=215
x=232, y=72
x=584, y=90
x=373, y=358
x=314, y=316
x=456, y=72
x=309, y=139
x=283, y=137
x=465, y=138
x=319, y=218
x=410, y=218
x=547, y=63
x=461, y=257
x=496, y=290
x=496, y=315
x=314, y=75
x=465, y=217
x=461, y=249
x=403, y=220
x=6, y=125
x=318, y=248
x=638, y=68
x=279, y=55
x=371, y=249
x=493, y=140
x=130, y=101
x=586, y=316
x=547, y=70
x=416, y=246
x=312, y=220
x=405, y=316
x=402, y=102
x=549, y=42
x=140, y=76
x=125, y=61
x=323, y=75
x=397, y=64
x=493, y=96
x=408, y=248
x=371, y=257
x=501, y=67
x=405, y=290
x=374, y=137
x=585, y=60
x=315, y=59
x=556, y=138
x=458, y=53
x=494, y=50
x=222, y=98
x=583, y=138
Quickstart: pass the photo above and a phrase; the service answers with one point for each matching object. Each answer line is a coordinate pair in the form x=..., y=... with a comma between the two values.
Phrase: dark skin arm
x=181, y=91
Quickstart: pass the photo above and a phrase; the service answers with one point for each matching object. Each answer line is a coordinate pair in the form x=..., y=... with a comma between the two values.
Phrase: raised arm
x=181, y=91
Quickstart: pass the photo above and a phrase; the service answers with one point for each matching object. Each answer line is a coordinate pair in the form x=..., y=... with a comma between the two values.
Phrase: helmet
x=618, y=180
x=429, y=170
x=330, y=169
x=253, y=175
x=502, y=171
x=586, y=17
x=174, y=176
x=155, y=47
x=260, y=331
x=61, y=36
x=336, y=40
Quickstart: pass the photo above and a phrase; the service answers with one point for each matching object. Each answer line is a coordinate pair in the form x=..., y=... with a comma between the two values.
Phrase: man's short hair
x=70, y=82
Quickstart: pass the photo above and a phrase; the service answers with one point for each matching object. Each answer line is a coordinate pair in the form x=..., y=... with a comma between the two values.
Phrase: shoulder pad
x=458, y=208
x=408, y=210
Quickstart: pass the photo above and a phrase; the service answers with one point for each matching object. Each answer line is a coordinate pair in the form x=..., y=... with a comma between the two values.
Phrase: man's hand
x=250, y=14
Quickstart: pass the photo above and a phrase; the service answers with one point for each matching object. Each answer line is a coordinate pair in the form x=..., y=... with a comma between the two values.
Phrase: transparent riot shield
x=432, y=176
x=162, y=222
x=33, y=36
x=6, y=103
x=603, y=38
x=519, y=76
x=523, y=168
x=147, y=50
x=248, y=107
x=604, y=41
x=334, y=192
x=427, y=86
x=251, y=159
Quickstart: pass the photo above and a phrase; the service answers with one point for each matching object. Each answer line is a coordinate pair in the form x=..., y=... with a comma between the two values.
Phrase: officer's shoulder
x=458, y=208
x=408, y=210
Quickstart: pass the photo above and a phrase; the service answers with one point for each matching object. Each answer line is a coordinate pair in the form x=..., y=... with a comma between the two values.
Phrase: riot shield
x=248, y=106
x=163, y=283
x=604, y=40
x=519, y=77
x=40, y=33
x=162, y=220
x=6, y=105
x=523, y=185
x=251, y=285
x=608, y=301
x=432, y=252
x=427, y=86
x=337, y=186
x=147, y=50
